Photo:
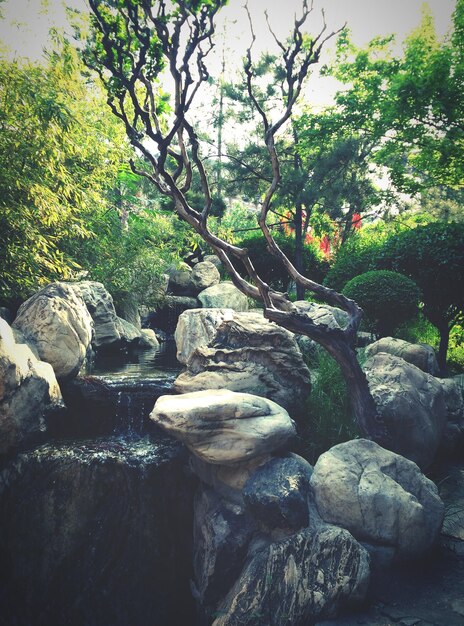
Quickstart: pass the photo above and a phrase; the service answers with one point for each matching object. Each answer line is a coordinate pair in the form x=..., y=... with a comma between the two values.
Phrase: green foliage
x=433, y=256
x=360, y=254
x=270, y=269
x=411, y=106
x=59, y=151
x=130, y=261
x=387, y=299
x=328, y=418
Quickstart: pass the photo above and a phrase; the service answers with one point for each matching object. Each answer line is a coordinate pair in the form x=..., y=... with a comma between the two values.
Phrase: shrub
x=433, y=256
x=387, y=298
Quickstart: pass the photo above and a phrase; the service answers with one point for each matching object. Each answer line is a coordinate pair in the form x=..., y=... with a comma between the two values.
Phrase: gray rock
x=221, y=534
x=419, y=354
x=310, y=575
x=129, y=334
x=204, y=275
x=227, y=480
x=57, y=322
x=380, y=497
x=180, y=282
x=411, y=404
x=323, y=314
x=197, y=327
x=249, y=354
x=148, y=339
x=223, y=427
x=215, y=260
x=453, y=435
x=28, y=391
x=223, y=296
x=100, y=305
x=277, y=493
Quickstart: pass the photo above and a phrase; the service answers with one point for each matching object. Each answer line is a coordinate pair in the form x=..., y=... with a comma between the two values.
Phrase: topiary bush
x=387, y=298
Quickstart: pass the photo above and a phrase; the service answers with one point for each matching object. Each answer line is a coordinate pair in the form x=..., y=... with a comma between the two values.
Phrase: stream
x=96, y=521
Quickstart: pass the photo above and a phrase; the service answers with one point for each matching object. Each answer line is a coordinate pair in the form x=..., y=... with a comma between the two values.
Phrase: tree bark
x=444, y=330
x=300, y=290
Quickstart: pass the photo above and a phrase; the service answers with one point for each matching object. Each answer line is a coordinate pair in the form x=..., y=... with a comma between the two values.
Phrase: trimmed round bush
x=387, y=298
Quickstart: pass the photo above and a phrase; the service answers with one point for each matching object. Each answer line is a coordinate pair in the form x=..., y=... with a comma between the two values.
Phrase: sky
x=24, y=28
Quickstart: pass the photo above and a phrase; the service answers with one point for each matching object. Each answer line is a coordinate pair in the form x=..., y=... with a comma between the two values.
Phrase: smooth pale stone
x=223, y=296
x=419, y=354
x=224, y=427
x=380, y=497
x=411, y=404
x=57, y=322
x=28, y=390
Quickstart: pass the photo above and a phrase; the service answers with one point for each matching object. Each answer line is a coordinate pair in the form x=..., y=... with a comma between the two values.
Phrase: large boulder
x=99, y=303
x=411, y=404
x=111, y=331
x=277, y=493
x=223, y=296
x=419, y=354
x=247, y=354
x=97, y=533
x=28, y=391
x=189, y=282
x=454, y=400
x=197, y=327
x=221, y=533
x=380, y=497
x=298, y=580
x=224, y=427
x=205, y=275
x=56, y=321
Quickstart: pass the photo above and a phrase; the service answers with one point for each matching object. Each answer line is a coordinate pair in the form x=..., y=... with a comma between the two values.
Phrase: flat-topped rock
x=224, y=427
x=242, y=352
x=380, y=497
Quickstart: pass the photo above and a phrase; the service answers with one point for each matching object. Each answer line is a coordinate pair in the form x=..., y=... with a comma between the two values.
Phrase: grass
x=327, y=417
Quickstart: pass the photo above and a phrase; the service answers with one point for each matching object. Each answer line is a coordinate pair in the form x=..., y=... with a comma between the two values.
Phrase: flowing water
x=96, y=522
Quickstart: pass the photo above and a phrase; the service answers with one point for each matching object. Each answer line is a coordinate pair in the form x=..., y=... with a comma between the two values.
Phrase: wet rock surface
x=96, y=533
